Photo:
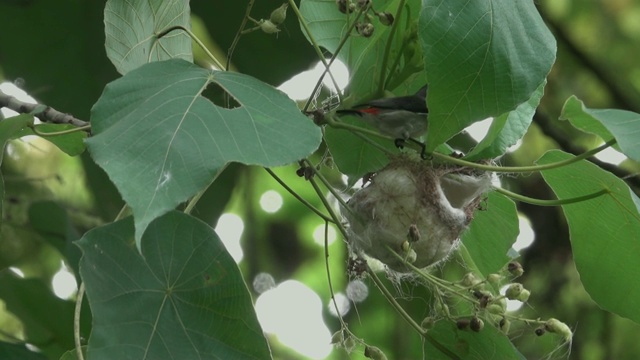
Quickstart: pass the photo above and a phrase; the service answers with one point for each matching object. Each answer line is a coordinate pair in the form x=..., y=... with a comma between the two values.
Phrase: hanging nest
x=414, y=208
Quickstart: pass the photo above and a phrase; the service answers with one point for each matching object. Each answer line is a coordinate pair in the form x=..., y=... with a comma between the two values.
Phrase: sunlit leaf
x=131, y=29
x=72, y=143
x=183, y=297
x=491, y=234
x=605, y=233
x=483, y=59
x=606, y=123
x=507, y=129
x=161, y=142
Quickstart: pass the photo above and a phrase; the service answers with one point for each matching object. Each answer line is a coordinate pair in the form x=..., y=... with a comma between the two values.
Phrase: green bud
x=513, y=291
x=349, y=344
x=428, y=323
x=558, y=327
x=268, y=27
x=337, y=338
x=279, y=15
x=524, y=295
x=469, y=280
x=494, y=279
x=374, y=353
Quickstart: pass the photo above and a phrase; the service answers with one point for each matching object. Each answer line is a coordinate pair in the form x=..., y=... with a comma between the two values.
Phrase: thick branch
x=42, y=112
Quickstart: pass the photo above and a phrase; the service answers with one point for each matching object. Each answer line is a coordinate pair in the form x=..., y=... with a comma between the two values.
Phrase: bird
x=402, y=117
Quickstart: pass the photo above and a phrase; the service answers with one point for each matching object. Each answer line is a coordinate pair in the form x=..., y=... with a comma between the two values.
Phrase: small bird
x=403, y=117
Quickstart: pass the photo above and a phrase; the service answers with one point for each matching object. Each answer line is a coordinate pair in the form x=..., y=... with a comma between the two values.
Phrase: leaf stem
x=407, y=317
x=76, y=322
x=297, y=196
x=522, y=169
x=232, y=48
x=316, y=47
x=58, y=133
x=387, y=49
x=556, y=202
x=194, y=38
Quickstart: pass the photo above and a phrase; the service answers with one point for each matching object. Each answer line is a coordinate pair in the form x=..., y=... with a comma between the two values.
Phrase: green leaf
x=48, y=320
x=131, y=29
x=73, y=354
x=605, y=233
x=18, y=351
x=507, y=129
x=64, y=65
x=182, y=298
x=72, y=144
x=483, y=58
x=8, y=129
x=51, y=221
x=492, y=233
x=363, y=56
x=161, y=142
x=352, y=155
x=606, y=123
x=486, y=344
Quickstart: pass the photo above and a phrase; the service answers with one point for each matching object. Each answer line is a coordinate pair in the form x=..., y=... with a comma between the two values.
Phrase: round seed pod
x=412, y=197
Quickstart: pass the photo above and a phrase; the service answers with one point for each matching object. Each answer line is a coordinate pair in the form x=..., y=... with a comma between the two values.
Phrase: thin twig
x=42, y=112
x=76, y=322
x=232, y=48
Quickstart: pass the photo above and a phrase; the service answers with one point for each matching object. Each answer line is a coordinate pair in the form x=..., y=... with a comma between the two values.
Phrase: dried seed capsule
x=463, y=323
x=385, y=18
x=343, y=6
x=363, y=3
x=365, y=29
x=476, y=324
x=515, y=268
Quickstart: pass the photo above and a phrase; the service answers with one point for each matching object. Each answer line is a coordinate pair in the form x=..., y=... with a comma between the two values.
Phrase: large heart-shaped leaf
x=483, y=59
x=606, y=123
x=182, y=298
x=605, y=232
x=131, y=29
x=161, y=142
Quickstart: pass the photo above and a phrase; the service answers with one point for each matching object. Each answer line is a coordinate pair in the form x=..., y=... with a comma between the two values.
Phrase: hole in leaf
x=219, y=96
